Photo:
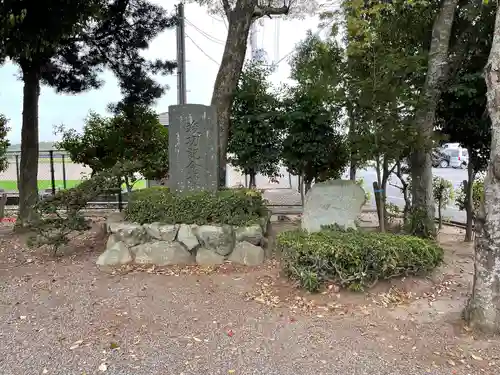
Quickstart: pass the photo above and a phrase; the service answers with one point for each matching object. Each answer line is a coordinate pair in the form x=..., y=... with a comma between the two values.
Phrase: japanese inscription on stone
x=193, y=148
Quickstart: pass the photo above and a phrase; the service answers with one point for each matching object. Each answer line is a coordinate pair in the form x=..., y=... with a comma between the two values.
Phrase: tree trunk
x=240, y=21
x=440, y=216
x=352, y=133
x=421, y=163
x=483, y=309
x=28, y=189
x=252, y=184
x=469, y=202
x=352, y=169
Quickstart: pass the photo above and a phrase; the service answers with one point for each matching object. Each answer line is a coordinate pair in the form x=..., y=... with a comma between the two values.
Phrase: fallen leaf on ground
x=114, y=345
x=76, y=344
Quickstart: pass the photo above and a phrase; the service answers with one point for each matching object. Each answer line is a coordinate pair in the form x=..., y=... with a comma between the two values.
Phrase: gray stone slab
x=332, y=202
x=193, y=148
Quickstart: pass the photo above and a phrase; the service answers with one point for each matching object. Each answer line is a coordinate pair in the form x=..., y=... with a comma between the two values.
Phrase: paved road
x=456, y=176
x=285, y=190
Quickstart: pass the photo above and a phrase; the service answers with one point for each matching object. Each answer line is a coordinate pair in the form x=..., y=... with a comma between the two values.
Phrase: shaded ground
x=66, y=317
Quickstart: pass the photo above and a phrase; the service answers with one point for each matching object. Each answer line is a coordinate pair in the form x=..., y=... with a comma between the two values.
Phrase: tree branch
x=267, y=10
x=227, y=7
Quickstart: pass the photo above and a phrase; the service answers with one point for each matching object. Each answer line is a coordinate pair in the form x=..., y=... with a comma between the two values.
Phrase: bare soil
x=62, y=315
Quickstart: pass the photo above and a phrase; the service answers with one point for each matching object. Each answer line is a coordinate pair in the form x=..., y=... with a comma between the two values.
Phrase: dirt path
x=66, y=317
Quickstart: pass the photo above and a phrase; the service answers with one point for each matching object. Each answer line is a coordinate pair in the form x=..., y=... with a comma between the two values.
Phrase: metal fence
x=55, y=171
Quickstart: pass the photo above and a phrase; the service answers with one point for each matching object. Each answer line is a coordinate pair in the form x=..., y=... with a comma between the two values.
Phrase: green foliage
x=462, y=116
x=66, y=45
x=419, y=223
x=319, y=65
x=4, y=143
x=254, y=139
x=60, y=217
x=443, y=193
x=361, y=182
x=386, y=60
x=229, y=206
x=130, y=136
x=477, y=196
x=442, y=190
x=313, y=147
x=354, y=259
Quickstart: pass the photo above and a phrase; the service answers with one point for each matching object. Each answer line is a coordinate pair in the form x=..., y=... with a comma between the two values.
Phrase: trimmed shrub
x=228, y=206
x=354, y=259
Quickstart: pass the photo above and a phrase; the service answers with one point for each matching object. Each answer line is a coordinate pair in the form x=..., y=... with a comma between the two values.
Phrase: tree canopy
x=66, y=45
x=254, y=140
x=137, y=139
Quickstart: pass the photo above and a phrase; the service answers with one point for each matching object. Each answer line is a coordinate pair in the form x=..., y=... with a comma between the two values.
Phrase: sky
x=203, y=54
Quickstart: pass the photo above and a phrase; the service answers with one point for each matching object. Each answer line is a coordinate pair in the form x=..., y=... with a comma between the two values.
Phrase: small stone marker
x=193, y=148
x=332, y=202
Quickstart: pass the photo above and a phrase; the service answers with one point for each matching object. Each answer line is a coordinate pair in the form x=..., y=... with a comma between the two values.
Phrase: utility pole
x=181, y=56
x=253, y=41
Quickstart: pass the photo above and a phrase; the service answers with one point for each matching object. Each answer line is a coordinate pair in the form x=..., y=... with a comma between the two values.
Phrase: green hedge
x=354, y=259
x=228, y=206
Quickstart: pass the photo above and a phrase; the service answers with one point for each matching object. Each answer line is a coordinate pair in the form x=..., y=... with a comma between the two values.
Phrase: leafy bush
x=443, y=193
x=354, y=259
x=60, y=217
x=228, y=206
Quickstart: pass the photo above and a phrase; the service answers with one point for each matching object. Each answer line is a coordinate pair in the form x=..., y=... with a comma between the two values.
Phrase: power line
x=201, y=49
x=223, y=20
x=206, y=35
x=275, y=64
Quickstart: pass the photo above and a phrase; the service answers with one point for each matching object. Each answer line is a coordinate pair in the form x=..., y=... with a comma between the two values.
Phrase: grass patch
x=11, y=185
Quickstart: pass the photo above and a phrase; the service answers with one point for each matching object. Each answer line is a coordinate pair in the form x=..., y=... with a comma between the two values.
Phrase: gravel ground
x=63, y=316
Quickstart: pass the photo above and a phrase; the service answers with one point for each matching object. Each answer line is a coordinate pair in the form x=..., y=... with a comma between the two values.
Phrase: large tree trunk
x=240, y=20
x=421, y=163
x=483, y=309
x=28, y=189
x=352, y=135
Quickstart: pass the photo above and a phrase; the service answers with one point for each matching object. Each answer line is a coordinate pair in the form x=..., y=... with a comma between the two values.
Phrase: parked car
x=459, y=157
x=450, y=145
x=440, y=159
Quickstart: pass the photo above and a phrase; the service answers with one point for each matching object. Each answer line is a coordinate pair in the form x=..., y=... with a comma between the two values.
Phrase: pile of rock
x=163, y=245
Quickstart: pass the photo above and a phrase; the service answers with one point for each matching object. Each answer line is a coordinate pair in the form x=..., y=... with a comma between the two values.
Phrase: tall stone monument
x=193, y=148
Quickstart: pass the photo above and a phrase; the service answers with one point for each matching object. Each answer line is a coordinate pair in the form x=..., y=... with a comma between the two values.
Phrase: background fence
x=56, y=171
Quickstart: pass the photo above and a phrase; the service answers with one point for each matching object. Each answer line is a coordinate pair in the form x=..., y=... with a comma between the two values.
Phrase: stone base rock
x=253, y=234
x=162, y=253
x=116, y=255
x=164, y=245
x=161, y=232
x=247, y=254
x=217, y=238
x=186, y=236
x=207, y=257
